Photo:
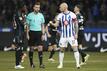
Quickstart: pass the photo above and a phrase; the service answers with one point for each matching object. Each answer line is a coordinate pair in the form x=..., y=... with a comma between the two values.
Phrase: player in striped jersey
x=69, y=32
x=80, y=19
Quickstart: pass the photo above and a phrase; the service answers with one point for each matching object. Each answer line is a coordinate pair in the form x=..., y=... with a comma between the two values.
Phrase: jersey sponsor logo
x=65, y=22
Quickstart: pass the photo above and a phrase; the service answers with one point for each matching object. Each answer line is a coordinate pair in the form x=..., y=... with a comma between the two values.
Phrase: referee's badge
x=65, y=22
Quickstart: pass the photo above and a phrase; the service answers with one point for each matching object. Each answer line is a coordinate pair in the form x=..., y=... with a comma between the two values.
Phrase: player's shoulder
x=72, y=14
x=59, y=15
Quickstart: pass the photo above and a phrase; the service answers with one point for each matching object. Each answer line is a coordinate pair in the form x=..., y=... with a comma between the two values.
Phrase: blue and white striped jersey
x=67, y=24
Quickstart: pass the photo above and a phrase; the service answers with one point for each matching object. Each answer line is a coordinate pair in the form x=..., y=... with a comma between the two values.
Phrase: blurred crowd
x=93, y=10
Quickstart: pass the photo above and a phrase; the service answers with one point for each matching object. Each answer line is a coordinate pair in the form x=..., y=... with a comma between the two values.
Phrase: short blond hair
x=64, y=5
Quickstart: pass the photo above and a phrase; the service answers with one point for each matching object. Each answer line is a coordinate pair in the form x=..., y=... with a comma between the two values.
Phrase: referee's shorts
x=35, y=38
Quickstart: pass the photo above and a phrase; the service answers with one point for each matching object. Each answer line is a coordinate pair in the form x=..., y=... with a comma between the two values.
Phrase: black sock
x=31, y=56
x=40, y=55
x=52, y=53
x=82, y=54
x=18, y=55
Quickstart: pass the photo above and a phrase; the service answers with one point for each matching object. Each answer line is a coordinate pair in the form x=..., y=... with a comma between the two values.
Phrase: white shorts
x=63, y=42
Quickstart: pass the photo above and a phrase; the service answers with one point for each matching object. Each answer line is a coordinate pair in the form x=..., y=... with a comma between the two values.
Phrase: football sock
x=61, y=57
x=76, y=55
x=40, y=55
x=18, y=56
x=82, y=54
x=31, y=56
x=52, y=53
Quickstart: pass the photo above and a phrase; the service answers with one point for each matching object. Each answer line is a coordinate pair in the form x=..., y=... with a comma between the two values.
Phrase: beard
x=36, y=12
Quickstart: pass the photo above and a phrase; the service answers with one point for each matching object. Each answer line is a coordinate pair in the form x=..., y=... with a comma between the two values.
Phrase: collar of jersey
x=67, y=13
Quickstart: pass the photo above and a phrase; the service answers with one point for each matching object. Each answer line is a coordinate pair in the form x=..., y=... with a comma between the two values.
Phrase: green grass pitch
x=96, y=62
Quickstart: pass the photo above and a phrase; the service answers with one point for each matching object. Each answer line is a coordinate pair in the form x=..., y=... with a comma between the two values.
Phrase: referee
x=35, y=21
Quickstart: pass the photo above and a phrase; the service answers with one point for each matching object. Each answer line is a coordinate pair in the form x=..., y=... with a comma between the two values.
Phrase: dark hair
x=79, y=6
x=37, y=3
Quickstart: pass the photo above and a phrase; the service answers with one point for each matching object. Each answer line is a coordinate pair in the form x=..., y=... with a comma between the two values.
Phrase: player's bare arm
x=76, y=28
x=56, y=24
